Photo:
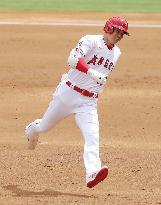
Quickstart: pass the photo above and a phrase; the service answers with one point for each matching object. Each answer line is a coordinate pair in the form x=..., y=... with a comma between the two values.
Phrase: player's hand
x=97, y=76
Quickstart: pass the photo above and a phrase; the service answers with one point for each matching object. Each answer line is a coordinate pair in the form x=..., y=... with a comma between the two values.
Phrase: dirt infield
x=33, y=59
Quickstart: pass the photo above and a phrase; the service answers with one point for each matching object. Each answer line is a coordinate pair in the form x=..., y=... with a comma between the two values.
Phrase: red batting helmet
x=116, y=22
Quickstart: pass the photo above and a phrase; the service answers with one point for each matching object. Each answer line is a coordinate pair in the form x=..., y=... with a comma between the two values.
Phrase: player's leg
x=89, y=126
x=56, y=111
x=88, y=122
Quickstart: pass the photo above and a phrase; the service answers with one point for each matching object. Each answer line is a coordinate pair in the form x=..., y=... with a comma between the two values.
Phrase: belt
x=82, y=91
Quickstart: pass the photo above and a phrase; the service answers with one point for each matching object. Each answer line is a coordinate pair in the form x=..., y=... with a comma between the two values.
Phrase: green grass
x=83, y=5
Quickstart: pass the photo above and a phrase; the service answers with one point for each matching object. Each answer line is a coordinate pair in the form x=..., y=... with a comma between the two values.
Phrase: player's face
x=116, y=36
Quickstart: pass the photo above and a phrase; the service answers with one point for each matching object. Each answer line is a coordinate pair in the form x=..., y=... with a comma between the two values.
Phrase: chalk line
x=37, y=23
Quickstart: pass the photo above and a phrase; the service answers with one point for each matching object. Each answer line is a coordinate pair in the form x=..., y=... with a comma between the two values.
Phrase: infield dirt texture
x=32, y=60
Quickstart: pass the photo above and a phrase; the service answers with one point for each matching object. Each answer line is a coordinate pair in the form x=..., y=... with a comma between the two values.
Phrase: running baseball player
x=91, y=62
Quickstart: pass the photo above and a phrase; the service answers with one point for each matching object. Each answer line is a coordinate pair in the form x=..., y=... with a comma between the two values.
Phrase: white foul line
x=35, y=23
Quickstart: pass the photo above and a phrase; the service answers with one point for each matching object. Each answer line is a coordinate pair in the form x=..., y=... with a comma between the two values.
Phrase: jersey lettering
x=93, y=60
x=111, y=66
x=106, y=63
x=99, y=61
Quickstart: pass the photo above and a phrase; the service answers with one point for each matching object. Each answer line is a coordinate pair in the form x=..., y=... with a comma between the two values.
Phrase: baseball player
x=91, y=62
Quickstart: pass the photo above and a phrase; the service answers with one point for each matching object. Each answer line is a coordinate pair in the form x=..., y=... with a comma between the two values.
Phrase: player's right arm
x=76, y=60
x=76, y=57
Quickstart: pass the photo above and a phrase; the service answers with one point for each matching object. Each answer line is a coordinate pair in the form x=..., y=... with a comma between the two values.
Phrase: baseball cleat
x=31, y=137
x=97, y=177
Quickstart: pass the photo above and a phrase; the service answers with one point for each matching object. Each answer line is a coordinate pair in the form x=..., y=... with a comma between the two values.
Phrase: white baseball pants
x=65, y=102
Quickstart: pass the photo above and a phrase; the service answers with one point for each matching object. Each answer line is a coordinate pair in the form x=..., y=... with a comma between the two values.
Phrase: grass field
x=83, y=5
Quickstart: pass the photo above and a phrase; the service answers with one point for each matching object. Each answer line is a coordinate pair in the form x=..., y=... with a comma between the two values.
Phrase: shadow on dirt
x=17, y=192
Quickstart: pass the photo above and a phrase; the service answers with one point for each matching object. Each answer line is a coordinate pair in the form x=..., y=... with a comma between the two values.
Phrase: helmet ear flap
x=109, y=28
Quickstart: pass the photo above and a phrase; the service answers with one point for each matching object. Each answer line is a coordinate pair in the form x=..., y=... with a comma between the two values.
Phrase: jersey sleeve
x=83, y=47
x=76, y=57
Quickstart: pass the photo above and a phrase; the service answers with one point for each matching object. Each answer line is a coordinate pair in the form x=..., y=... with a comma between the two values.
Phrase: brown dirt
x=32, y=61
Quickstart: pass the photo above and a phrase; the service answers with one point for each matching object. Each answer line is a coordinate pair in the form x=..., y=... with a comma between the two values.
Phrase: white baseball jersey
x=97, y=55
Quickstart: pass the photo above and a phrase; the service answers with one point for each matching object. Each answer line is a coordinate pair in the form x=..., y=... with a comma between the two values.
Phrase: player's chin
x=117, y=40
